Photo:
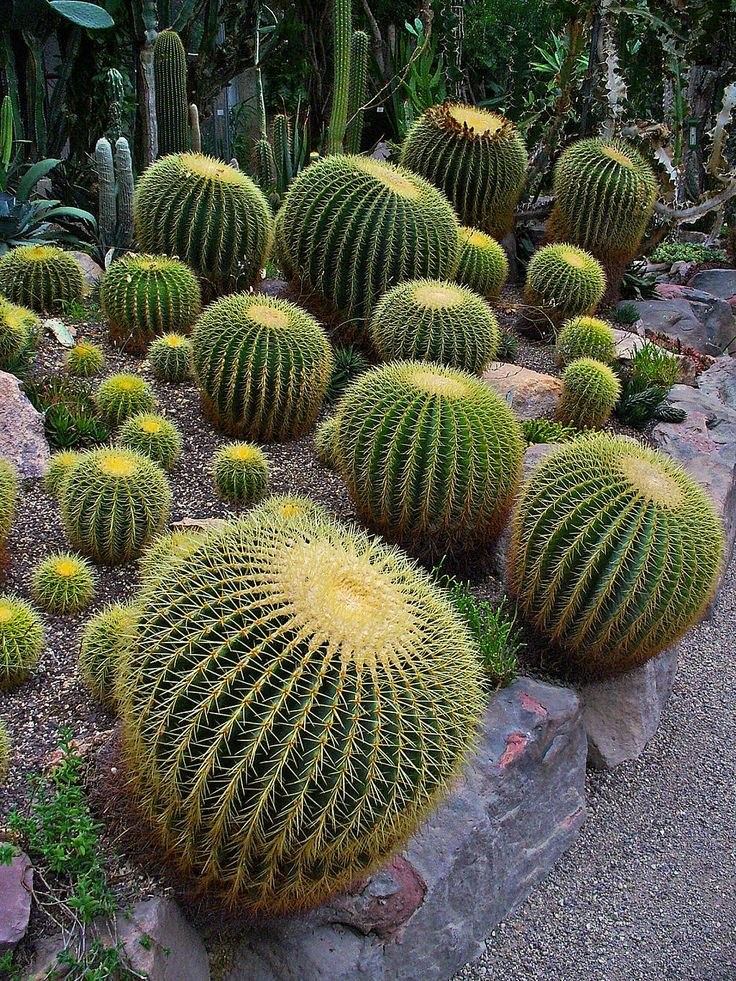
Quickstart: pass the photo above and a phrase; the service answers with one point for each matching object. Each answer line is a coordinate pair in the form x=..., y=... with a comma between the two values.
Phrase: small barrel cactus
x=352, y=227
x=615, y=552
x=482, y=264
x=170, y=357
x=208, y=214
x=19, y=328
x=348, y=364
x=431, y=456
x=298, y=698
x=564, y=281
x=105, y=638
x=589, y=394
x=121, y=396
x=585, y=337
x=8, y=498
x=56, y=473
x=84, y=360
x=6, y=752
x=63, y=583
x=240, y=472
x=21, y=640
x=476, y=157
x=41, y=277
x=262, y=365
x=430, y=320
x=144, y=296
x=152, y=435
x=168, y=548
x=325, y=442
x=289, y=507
x=113, y=502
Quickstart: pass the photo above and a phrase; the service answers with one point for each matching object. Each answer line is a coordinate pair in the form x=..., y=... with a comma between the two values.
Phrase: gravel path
x=647, y=892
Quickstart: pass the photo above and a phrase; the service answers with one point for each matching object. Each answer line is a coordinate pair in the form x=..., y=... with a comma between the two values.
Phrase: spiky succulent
x=154, y=436
x=84, y=360
x=121, y=396
x=482, y=263
x=590, y=391
x=105, y=638
x=170, y=357
x=41, y=277
x=240, y=473
x=19, y=328
x=113, y=502
x=585, y=337
x=172, y=104
x=546, y=431
x=8, y=498
x=431, y=320
x=21, y=640
x=431, y=456
x=280, y=254
x=63, y=583
x=476, y=157
x=615, y=552
x=349, y=363
x=144, y=296
x=6, y=752
x=353, y=227
x=168, y=548
x=289, y=507
x=325, y=442
x=564, y=281
x=207, y=213
x=262, y=366
x=297, y=699
x=56, y=473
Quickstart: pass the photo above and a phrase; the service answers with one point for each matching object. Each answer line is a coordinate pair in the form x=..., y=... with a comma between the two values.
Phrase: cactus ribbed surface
x=21, y=640
x=121, y=396
x=124, y=176
x=6, y=745
x=207, y=213
x=482, y=265
x=262, y=366
x=113, y=502
x=585, y=337
x=240, y=472
x=116, y=97
x=172, y=104
x=326, y=442
x=431, y=456
x=107, y=216
x=357, y=90
x=105, y=638
x=431, y=320
x=170, y=357
x=41, y=277
x=8, y=499
x=19, y=328
x=353, y=227
x=56, y=473
x=63, y=583
x=152, y=435
x=298, y=698
x=590, y=391
x=564, y=281
x=615, y=552
x=476, y=157
x=342, y=32
x=168, y=548
x=289, y=507
x=84, y=360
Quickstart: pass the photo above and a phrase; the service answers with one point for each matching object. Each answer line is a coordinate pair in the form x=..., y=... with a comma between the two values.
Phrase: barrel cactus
x=56, y=473
x=84, y=360
x=298, y=698
x=207, y=213
x=6, y=752
x=430, y=320
x=41, y=277
x=113, y=502
x=615, y=552
x=240, y=472
x=476, y=157
x=352, y=227
x=168, y=548
x=121, y=396
x=585, y=337
x=482, y=263
x=154, y=436
x=325, y=442
x=590, y=391
x=289, y=507
x=8, y=499
x=170, y=358
x=431, y=456
x=21, y=640
x=63, y=583
x=262, y=366
x=564, y=281
x=105, y=637
x=144, y=296
x=19, y=328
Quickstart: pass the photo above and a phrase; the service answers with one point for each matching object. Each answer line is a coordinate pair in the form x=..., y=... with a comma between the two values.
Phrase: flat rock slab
x=22, y=437
x=703, y=322
x=91, y=270
x=531, y=394
x=516, y=811
x=717, y=282
x=16, y=890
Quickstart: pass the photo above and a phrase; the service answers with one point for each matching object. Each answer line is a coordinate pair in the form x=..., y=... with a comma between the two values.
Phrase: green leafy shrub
x=63, y=583
x=41, y=277
x=240, y=472
x=589, y=394
x=56, y=473
x=482, y=263
x=19, y=328
x=585, y=337
x=152, y=435
x=21, y=640
x=167, y=548
x=645, y=384
x=84, y=360
x=546, y=431
x=325, y=442
x=70, y=412
x=564, y=281
x=121, y=396
x=170, y=357
x=105, y=638
x=6, y=752
x=687, y=252
x=349, y=363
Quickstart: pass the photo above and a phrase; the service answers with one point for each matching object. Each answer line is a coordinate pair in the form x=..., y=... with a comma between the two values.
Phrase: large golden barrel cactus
x=564, y=281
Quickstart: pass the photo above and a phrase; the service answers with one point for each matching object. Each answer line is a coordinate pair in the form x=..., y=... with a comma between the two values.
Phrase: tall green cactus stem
x=343, y=17
x=282, y=152
x=482, y=263
x=172, y=104
x=6, y=133
x=585, y=337
x=564, y=281
x=106, y=199
x=41, y=277
x=194, y=128
x=476, y=157
x=124, y=176
x=298, y=698
x=357, y=91
x=262, y=366
x=353, y=227
x=116, y=96
x=615, y=553
x=589, y=394
x=431, y=456
x=208, y=214
x=264, y=165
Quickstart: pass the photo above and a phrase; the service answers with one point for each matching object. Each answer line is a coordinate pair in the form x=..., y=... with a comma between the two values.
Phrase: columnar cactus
x=152, y=435
x=352, y=227
x=84, y=360
x=63, y=583
x=41, y=277
x=297, y=699
x=240, y=472
x=207, y=213
x=431, y=456
x=564, y=281
x=107, y=209
x=615, y=552
x=105, y=638
x=121, y=396
x=172, y=104
x=262, y=365
x=8, y=499
x=476, y=157
x=482, y=264
x=21, y=640
x=124, y=177
x=19, y=328
x=585, y=337
x=342, y=11
x=170, y=357
x=431, y=320
x=589, y=394
x=357, y=90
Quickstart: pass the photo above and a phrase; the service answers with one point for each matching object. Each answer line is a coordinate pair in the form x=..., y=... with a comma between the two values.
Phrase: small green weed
x=626, y=314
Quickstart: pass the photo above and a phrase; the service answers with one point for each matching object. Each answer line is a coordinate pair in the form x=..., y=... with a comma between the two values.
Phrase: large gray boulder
x=718, y=282
x=22, y=437
x=700, y=321
x=16, y=890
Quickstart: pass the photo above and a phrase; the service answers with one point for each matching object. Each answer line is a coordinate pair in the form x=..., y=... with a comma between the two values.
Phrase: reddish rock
x=16, y=890
x=531, y=394
x=22, y=437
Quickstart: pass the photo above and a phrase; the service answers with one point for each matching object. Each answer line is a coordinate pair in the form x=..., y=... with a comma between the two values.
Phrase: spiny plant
x=508, y=347
x=84, y=360
x=431, y=456
x=546, y=431
x=207, y=213
x=289, y=507
x=144, y=296
x=168, y=548
x=113, y=502
x=590, y=391
x=626, y=314
x=172, y=104
x=154, y=436
x=71, y=417
x=170, y=357
x=353, y=227
x=349, y=363
x=41, y=277
x=121, y=396
x=6, y=752
x=21, y=640
x=105, y=638
x=476, y=157
x=56, y=473
x=63, y=583
x=431, y=320
x=19, y=328
x=585, y=337
x=8, y=499
x=262, y=366
x=240, y=473
x=564, y=281
x=298, y=698
x=325, y=442
x=615, y=552
x=482, y=263
x=645, y=384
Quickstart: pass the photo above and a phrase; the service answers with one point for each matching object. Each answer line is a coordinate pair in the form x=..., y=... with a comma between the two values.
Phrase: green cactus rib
x=431, y=456
x=8, y=499
x=105, y=638
x=476, y=157
x=84, y=360
x=172, y=103
x=240, y=472
x=590, y=391
x=121, y=396
x=564, y=281
x=326, y=442
x=40, y=277
x=19, y=328
x=6, y=745
x=113, y=502
x=63, y=583
x=353, y=227
x=357, y=91
x=342, y=15
x=298, y=698
x=432, y=320
x=482, y=263
x=124, y=176
x=615, y=552
x=585, y=337
x=289, y=507
x=262, y=366
x=170, y=357
x=152, y=435
x=56, y=473
x=168, y=548
x=280, y=253
x=207, y=213
x=21, y=640
x=107, y=217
